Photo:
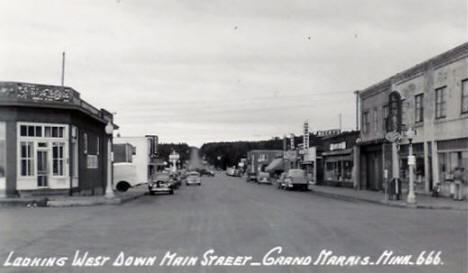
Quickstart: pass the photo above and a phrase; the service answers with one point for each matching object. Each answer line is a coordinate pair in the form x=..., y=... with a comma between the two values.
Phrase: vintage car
x=294, y=179
x=263, y=178
x=251, y=176
x=162, y=183
x=193, y=178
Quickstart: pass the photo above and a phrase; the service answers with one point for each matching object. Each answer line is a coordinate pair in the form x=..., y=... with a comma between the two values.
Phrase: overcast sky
x=198, y=71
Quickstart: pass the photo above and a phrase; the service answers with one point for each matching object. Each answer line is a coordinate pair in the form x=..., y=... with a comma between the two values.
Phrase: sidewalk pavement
x=423, y=201
x=75, y=201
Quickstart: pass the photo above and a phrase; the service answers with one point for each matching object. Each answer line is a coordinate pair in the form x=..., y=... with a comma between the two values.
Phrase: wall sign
x=92, y=161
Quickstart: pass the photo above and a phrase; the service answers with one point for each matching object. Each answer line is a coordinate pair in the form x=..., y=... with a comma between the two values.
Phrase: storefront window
x=449, y=161
x=57, y=158
x=27, y=155
x=339, y=170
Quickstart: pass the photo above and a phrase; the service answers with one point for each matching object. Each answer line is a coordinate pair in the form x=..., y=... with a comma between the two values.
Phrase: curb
x=383, y=202
x=45, y=202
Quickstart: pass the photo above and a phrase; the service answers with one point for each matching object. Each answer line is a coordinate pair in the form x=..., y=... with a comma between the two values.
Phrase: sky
x=202, y=71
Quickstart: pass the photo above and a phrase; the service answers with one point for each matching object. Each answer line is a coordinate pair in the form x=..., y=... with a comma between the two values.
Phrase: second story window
x=365, y=122
x=419, y=108
x=440, y=103
x=464, y=98
x=376, y=120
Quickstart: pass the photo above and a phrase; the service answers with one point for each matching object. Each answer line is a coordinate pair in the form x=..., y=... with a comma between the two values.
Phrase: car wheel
x=171, y=192
x=151, y=192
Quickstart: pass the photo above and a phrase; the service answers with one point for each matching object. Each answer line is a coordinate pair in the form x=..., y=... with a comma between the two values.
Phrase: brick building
x=434, y=102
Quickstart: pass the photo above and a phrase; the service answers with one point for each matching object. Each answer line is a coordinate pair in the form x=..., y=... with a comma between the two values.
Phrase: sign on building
x=92, y=162
x=306, y=135
x=338, y=146
x=292, y=142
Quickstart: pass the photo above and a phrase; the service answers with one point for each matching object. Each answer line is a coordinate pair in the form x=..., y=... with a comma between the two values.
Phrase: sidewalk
x=75, y=201
x=423, y=201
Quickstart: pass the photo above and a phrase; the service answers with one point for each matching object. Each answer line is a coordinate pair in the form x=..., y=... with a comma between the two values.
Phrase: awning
x=276, y=165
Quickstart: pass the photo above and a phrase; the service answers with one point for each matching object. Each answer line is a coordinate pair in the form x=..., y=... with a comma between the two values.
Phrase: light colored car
x=263, y=178
x=295, y=179
x=193, y=178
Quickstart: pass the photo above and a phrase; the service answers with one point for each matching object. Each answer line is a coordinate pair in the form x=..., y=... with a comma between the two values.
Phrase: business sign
x=394, y=115
x=305, y=138
x=330, y=132
x=174, y=156
x=310, y=154
x=338, y=146
x=292, y=142
x=92, y=161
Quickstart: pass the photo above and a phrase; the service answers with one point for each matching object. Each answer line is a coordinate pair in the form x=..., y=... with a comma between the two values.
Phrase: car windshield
x=296, y=173
x=194, y=174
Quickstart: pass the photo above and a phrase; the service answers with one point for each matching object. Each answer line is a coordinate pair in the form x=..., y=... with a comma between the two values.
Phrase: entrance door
x=374, y=171
x=42, y=169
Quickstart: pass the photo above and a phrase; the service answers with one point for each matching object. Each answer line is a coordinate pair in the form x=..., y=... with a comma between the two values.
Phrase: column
x=435, y=163
x=427, y=178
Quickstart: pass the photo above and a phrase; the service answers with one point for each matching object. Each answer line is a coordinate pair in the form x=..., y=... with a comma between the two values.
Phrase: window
x=365, y=122
x=440, y=102
x=419, y=108
x=30, y=131
x=57, y=158
x=26, y=158
x=85, y=143
x=464, y=99
x=385, y=117
x=53, y=131
x=376, y=120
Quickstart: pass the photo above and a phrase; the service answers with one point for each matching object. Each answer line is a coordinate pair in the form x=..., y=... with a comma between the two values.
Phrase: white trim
x=54, y=181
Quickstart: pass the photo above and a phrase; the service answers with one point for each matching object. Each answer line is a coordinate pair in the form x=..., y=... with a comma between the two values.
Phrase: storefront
x=338, y=167
x=51, y=141
x=451, y=154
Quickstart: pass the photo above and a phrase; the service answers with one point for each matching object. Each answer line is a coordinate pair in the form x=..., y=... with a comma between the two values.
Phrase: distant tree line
x=227, y=154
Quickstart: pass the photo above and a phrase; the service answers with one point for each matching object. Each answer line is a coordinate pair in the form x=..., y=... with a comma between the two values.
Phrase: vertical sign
x=305, y=139
x=292, y=142
x=394, y=115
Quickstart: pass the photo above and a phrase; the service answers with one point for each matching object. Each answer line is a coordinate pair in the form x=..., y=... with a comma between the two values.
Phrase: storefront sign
x=394, y=117
x=411, y=160
x=338, y=146
x=310, y=155
x=292, y=142
x=329, y=132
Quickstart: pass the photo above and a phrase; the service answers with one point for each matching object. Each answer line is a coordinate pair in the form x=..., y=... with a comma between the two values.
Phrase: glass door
x=42, y=168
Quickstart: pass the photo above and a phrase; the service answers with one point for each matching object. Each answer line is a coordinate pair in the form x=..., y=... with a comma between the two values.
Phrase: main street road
x=238, y=219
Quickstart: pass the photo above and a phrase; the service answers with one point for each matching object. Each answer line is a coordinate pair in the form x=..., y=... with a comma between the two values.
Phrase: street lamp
x=411, y=162
x=109, y=192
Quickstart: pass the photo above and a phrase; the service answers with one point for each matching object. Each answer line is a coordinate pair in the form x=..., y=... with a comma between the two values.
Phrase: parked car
x=205, y=172
x=294, y=179
x=263, y=178
x=193, y=178
x=251, y=176
x=230, y=171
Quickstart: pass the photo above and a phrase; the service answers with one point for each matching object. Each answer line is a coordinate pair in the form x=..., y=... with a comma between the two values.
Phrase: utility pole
x=357, y=109
x=63, y=68
x=339, y=120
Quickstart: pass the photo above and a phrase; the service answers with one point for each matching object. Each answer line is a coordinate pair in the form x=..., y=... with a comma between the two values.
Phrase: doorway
x=42, y=168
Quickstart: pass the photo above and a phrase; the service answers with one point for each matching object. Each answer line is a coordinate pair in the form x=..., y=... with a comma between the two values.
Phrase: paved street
x=238, y=219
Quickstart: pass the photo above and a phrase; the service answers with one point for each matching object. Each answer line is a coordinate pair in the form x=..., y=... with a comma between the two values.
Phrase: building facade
x=338, y=159
x=51, y=141
x=434, y=104
x=258, y=160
